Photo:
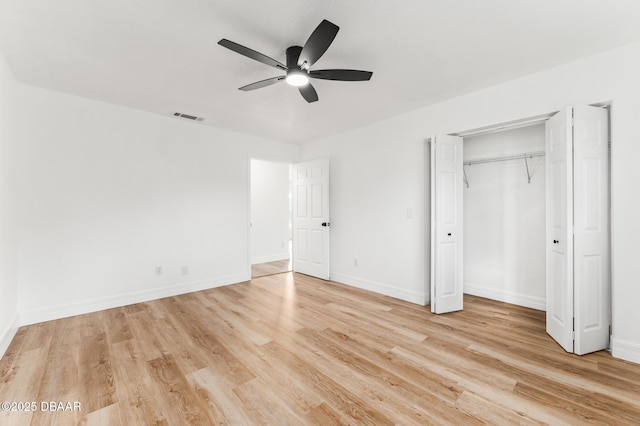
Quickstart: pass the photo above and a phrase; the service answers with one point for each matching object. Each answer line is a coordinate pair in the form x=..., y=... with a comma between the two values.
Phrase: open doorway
x=271, y=218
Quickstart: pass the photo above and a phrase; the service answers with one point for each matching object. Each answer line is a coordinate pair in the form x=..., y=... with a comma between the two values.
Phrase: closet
x=522, y=216
x=504, y=216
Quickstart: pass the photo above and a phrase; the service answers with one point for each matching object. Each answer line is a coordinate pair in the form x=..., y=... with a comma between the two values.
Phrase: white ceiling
x=162, y=55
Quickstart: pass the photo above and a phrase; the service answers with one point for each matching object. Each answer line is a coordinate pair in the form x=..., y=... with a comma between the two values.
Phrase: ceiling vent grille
x=187, y=116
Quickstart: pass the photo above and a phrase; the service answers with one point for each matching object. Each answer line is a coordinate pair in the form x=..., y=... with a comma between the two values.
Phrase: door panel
x=448, y=268
x=301, y=200
x=316, y=201
x=317, y=246
x=446, y=224
x=301, y=245
x=591, y=221
x=559, y=199
x=310, y=212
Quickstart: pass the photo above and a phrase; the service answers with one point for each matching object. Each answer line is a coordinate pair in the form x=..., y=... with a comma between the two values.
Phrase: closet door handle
x=556, y=241
x=449, y=234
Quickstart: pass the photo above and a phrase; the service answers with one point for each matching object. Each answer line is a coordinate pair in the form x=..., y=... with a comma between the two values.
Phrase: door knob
x=556, y=241
x=326, y=224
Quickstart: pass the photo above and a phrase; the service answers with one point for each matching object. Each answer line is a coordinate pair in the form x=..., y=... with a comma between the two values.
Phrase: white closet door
x=559, y=199
x=446, y=224
x=311, y=218
x=592, y=299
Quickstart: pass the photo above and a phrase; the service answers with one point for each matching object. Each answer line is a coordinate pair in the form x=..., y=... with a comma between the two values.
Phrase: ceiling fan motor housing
x=296, y=75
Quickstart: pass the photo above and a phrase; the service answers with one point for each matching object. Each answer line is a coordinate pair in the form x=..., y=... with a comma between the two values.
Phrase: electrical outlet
x=185, y=270
x=158, y=270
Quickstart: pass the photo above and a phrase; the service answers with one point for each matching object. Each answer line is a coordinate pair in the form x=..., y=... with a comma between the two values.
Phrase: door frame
x=249, y=207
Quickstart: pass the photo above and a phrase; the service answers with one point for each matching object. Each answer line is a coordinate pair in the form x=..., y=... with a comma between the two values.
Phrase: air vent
x=187, y=116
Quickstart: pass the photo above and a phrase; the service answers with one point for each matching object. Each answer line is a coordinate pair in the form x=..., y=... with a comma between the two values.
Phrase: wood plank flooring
x=290, y=349
x=270, y=268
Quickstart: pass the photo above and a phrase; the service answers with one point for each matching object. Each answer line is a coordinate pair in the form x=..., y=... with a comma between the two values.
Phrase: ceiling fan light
x=297, y=78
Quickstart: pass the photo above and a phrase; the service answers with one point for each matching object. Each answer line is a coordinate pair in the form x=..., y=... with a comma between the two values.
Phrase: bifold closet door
x=559, y=194
x=592, y=270
x=446, y=224
x=578, y=261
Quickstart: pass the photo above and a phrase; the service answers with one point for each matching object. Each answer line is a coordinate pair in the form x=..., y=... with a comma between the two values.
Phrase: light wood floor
x=289, y=349
x=270, y=268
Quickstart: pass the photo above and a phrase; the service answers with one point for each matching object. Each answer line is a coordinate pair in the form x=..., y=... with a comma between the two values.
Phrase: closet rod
x=524, y=156
x=509, y=157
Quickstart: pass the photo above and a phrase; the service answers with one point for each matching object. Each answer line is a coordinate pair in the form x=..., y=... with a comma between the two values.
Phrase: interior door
x=311, y=218
x=592, y=298
x=559, y=199
x=446, y=224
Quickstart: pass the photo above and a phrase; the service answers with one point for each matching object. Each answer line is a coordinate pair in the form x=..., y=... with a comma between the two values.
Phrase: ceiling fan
x=299, y=62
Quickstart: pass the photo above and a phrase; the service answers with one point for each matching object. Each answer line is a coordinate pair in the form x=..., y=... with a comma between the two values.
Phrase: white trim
x=249, y=216
x=419, y=298
x=431, y=297
x=270, y=258
x=509, y=125
x=8, y=334
x=506, y=296
x=33, y=316
x=623, y=349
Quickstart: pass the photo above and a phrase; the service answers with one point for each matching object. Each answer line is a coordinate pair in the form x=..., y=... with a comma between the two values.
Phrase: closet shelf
x=525, y=157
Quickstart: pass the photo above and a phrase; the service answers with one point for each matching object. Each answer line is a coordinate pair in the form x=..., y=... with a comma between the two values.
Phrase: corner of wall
x=7, y=335
x=8, y=282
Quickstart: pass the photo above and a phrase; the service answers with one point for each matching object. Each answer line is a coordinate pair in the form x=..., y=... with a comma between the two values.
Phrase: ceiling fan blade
x=308, y=93
x=341, y=75
x=318, y=43
x=262, y=83
x=250, y=53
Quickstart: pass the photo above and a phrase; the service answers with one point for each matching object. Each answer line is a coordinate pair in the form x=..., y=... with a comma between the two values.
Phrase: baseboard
x=381, y=288
x=7, y=335
x=270, y=258
x=628, y=351
x=538, y=303
x=33, y=316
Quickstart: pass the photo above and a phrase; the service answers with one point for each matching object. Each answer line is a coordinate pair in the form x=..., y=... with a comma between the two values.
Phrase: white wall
x=8, y=278
x=107, y=194
x=377, y=212
x=378, y=172
x=269, y=211
x=504, y=219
